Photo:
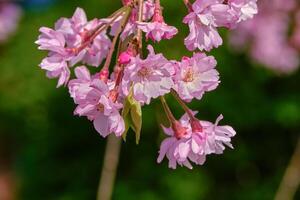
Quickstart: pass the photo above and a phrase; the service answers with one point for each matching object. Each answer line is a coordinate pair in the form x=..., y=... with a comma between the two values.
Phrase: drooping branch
x=291, y=179
x=109, y=170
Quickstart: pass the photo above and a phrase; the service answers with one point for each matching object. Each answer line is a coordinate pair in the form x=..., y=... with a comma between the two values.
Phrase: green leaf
x=136, y=117
x=132, y=115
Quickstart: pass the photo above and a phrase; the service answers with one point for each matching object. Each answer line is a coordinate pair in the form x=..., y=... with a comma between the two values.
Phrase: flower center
x=144, y=72
x=100, y=108
x=188, y=75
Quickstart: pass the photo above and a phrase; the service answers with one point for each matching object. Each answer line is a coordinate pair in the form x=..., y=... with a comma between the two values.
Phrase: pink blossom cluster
x=208, y=15
x=272, y=37
x=9, y=18
x=194, y=143
x=113, y=97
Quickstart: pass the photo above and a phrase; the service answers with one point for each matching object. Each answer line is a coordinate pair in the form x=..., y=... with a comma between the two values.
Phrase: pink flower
x=93, y=98
x=125, y=57
x=65, y=39
x=203, y=34
x=76, y=32
x=195, y=76
x=195, y=143
x=149, y=78
x=266, y=35
x=80, y=87
x=52, y=41
x=245, y=9
x=157, y=31
x=10, y=15
x=56, y=67
x=131, y=26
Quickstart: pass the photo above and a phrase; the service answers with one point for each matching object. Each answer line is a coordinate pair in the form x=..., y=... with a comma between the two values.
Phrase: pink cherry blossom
x=195, y=144
x=195, y=76
x=56, y=67
x=149, y=78
x=266, y=35
x=10, y=15
x=68, y=35
x=52, y=41
x=245, y=9
x=157, y=31
x=202, y=24
x=75, y=31
x=125, y=57
x=93, y=98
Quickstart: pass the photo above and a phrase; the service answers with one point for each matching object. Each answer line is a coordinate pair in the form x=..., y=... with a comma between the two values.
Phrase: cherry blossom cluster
x=112, y=98
x=9, y=18
x=273, y=36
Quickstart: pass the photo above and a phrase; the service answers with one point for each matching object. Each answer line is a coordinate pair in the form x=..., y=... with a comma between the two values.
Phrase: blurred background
x=47, y=153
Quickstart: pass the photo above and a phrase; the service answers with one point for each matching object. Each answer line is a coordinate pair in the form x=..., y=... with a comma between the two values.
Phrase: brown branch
x=291, y=178
x=109, y=170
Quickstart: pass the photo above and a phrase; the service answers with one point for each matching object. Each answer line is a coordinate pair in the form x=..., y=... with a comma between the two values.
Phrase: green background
x=56, y=155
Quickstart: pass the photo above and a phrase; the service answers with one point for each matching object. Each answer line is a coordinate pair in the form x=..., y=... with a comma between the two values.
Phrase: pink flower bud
x=126, y=2
x=196, y=126
x=125, y=57
x=104, y=75
x=179, y=130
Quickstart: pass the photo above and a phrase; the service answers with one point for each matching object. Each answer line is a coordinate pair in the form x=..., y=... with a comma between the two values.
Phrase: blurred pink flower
x=267, y=37
x=10, y=15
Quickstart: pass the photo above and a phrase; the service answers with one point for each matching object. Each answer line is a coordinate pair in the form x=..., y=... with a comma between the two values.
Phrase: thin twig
x=99, y=29
x=182, y=103
x=139, y=34
x=169, y=113
x=109, y=170
x=113, y=44
x=291, y=179
x=188, y=5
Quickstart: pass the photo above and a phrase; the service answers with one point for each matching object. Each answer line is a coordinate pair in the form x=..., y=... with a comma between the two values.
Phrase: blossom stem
x=112, y=47
x=183, y=105
x=188, y=5
x=109, y=170
x=291, y=179
x=170, y=116
x=157, y=9
x=101, y=28
x=139, y=34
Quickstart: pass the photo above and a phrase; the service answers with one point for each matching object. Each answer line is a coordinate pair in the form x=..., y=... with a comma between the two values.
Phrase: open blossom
x=93, y=98
x=9, y=18
x=203, y=23
x=195, y=75
x=157, y=31
x=149, y=78
x=62, y=42
x=76, y=32
x=56, y=67
x=193, y=144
